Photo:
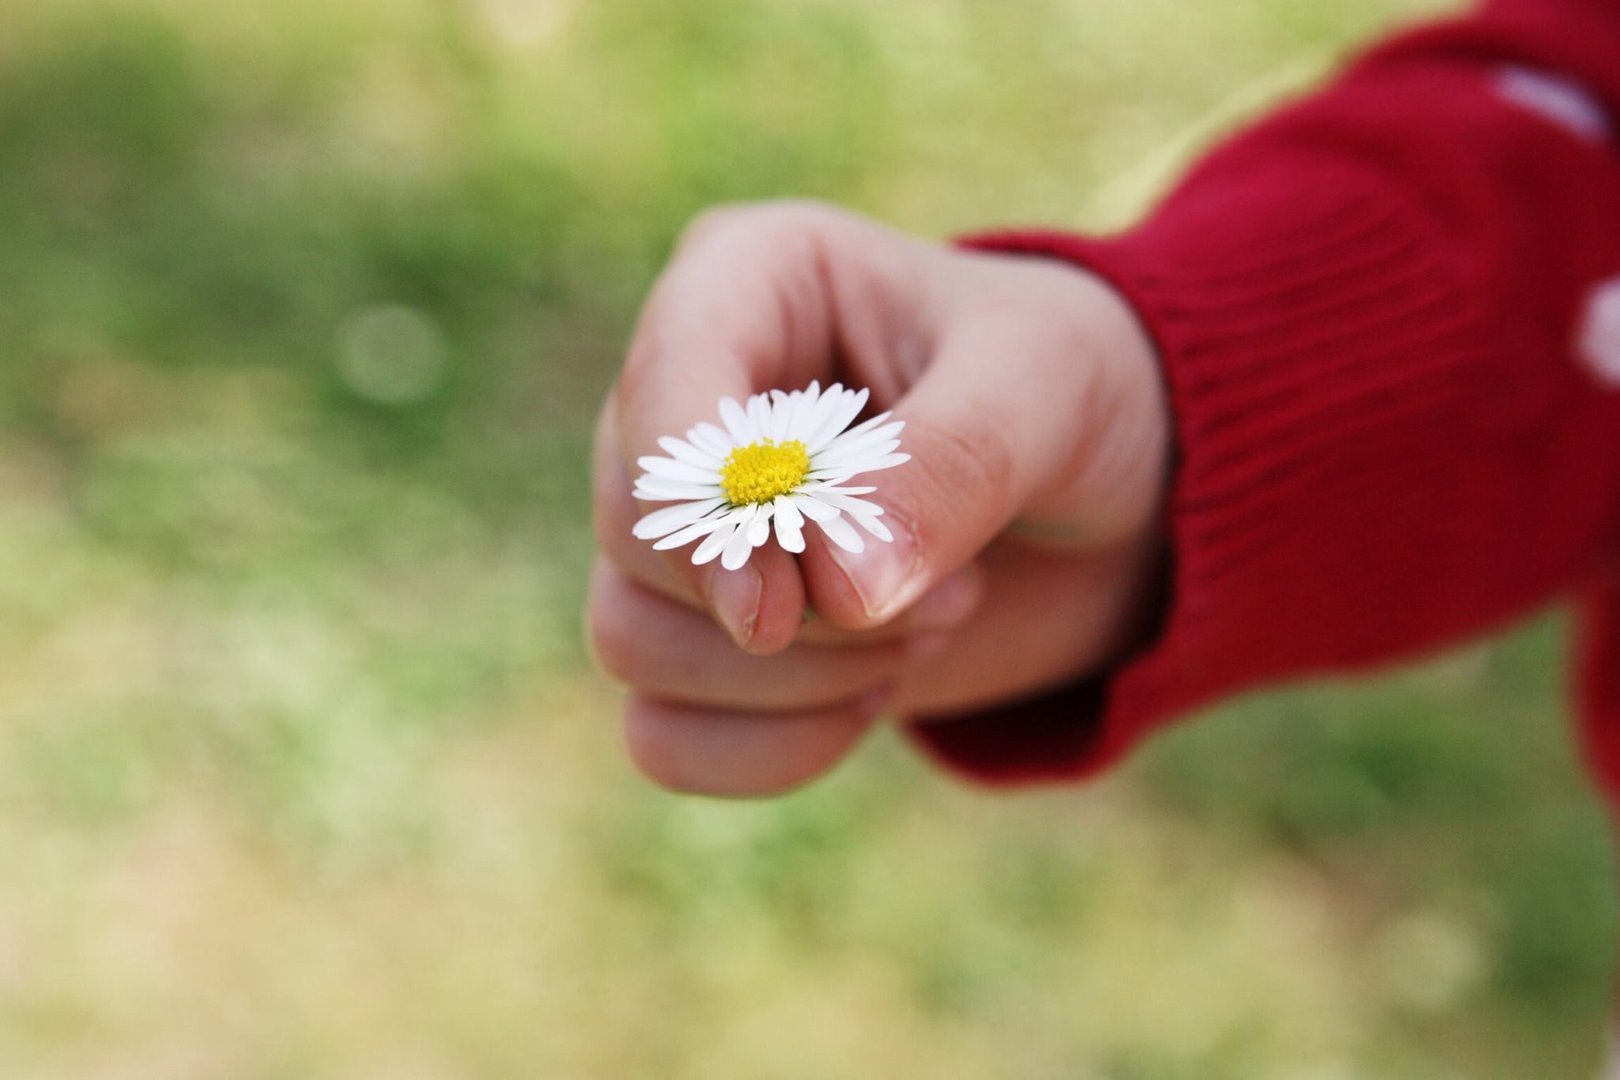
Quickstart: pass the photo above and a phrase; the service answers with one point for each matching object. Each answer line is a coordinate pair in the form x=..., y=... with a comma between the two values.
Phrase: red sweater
x=1389, y=319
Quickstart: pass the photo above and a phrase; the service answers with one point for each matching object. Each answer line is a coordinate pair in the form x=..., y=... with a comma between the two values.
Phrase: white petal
x=799, y=407
x=848, y=409
x=781, y=413
x=658, y=489
x=671, y=469
x=685, y=452
x=789, y=525
x=836, y=489
x=710, y=549
x=784, y=508
x=670, y=518
x=654, y=483
x=811, y=508
x=843, y=534
x=844, y=472
x=821, y=414
x=653, y=495
x=736, y=422
x=867, y=425
x=837, y=474
x=804, y=404
x=759, y=416
x=790, y=537
x=712, y=440
x=835, y=458
x=737, y=549
x=742, y=515
x=691, y=533
x=877, y=428
x=852, y=440
x=848, y=504
x=873, y=526
x=759, y=530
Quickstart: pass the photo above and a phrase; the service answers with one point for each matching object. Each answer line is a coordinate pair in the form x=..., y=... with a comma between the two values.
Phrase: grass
x=305, y=310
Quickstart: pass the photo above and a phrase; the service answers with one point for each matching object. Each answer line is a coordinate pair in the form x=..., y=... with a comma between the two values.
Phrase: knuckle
x=613, y=639
x=655, y=325
x=709, y=222
x=804, y=214
x=632, y=382
x=613, y=516
x=963, y=462
x=612, y=521
x=651, y=749
x=770, y=223
x=613, y=509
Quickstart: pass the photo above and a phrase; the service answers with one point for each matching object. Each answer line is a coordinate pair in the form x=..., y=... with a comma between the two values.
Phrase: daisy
x=781, y=458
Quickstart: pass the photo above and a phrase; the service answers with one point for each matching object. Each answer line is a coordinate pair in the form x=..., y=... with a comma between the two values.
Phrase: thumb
x=997, y=421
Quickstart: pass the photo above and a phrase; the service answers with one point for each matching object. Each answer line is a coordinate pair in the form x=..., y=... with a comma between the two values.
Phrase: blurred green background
x=305, y=309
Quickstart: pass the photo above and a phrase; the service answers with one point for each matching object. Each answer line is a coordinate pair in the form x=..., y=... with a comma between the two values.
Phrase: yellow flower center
x=759, y=472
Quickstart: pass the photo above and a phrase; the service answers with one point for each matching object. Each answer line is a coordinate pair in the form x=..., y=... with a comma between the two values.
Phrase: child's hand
x=1025, y=524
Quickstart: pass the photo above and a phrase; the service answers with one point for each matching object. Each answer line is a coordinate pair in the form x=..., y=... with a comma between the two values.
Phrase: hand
x=1025, y=525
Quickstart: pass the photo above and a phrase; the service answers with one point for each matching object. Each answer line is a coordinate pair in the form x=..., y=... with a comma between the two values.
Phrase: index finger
x=737, y=311
x=740, y=309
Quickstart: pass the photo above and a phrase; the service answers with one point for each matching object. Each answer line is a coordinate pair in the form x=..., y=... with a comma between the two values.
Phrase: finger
x=741, y=754
x=736, y=311
x=991, y=419
x=670, y=652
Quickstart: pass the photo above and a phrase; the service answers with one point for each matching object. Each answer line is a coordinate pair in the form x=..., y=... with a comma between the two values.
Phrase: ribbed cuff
x=1322, y=347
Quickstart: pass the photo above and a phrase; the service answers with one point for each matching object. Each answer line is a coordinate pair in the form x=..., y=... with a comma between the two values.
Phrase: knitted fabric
x=1384, y=317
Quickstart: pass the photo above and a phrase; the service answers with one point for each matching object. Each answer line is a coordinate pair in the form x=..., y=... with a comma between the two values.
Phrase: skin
x=1027, y=524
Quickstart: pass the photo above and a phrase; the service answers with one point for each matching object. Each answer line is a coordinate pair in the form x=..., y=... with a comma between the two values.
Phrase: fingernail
x=948, y=604
x=734, y=598
x=882, y=574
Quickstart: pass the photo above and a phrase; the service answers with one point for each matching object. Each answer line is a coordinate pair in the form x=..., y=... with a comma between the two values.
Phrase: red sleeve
x=1396, y=423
